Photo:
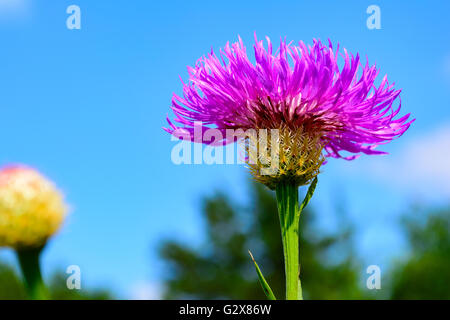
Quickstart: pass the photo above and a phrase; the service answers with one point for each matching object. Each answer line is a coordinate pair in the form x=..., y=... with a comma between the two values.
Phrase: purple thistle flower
x=297, y=87
x=313, y=108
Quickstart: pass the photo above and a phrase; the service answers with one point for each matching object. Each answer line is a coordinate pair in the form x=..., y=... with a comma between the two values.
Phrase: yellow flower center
x=284, y=154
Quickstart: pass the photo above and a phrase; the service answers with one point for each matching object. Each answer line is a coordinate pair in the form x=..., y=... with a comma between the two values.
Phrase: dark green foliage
x=11, y=288
x=10, y=284
x=425, y=274
x=221, y=267
x=59, y=291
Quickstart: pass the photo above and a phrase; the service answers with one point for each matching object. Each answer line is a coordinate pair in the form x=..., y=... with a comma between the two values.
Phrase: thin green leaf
x=309, y=194
x=299, y=294
x=262, y=281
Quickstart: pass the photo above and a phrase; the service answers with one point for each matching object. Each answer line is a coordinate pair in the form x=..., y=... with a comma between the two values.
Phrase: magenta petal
x=297, y=84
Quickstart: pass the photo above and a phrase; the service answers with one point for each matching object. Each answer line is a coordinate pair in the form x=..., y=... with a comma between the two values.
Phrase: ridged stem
x=289, y=213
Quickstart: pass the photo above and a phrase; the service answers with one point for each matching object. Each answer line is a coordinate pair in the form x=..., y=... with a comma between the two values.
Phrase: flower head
x=300, y=90
x=31, y=208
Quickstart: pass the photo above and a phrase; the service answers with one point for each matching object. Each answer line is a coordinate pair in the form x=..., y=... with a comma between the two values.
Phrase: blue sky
x=86, y=108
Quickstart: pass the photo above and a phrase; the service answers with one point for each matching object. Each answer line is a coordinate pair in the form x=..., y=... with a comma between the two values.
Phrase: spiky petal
x=299, y=86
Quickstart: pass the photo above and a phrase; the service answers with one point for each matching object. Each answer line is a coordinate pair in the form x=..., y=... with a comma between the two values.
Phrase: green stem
x=289, y=212
x=29, y=263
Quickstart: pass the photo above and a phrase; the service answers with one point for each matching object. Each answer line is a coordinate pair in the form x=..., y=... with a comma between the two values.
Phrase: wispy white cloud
x=422, y=166
x=146, y=291
x=14, y=8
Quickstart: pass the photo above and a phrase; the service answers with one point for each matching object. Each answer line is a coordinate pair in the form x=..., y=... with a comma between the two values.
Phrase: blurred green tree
x=425, y=273
x=10, y=284
x=11, y=287
x=222, y=268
